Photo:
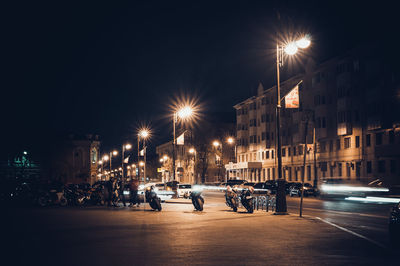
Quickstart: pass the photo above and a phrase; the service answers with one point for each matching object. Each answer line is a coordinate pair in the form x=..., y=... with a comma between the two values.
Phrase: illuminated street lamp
x=112, y=153
x=144, y=133
x=184, y=113
x=124, y=147
x=289, y=49
x=216, y=145
x=231, y=141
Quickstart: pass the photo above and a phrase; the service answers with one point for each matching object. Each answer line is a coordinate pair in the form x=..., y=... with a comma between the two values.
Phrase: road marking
x=353, y=233
x=348, y=213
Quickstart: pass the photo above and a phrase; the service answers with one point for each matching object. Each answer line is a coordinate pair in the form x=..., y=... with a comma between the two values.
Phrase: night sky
x=107, y=68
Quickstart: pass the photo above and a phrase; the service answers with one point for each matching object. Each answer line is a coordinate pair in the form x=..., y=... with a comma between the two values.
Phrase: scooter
x=197, y=200
x=153, y=199
x=247, y=199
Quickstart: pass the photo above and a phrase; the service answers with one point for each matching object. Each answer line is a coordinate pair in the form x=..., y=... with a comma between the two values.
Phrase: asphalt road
x=350, y=233
x=369, y=220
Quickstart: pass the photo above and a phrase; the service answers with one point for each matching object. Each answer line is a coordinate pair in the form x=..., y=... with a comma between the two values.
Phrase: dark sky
x=106, y=68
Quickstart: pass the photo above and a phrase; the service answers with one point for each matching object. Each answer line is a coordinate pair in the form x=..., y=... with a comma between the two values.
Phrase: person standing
x=133, y=191
x=121, y=192
x=109, y=191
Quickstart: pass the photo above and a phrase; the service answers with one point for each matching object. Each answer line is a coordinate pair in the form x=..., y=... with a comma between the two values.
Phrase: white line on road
x=353, y=233
x=348, y=213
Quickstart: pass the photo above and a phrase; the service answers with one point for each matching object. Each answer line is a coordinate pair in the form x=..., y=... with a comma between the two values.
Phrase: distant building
x=351, y=103
x=20, y=168
x=75, y=160
x=197, y=160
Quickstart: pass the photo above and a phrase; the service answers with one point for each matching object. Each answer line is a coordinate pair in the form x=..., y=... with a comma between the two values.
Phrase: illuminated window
x=347, y=143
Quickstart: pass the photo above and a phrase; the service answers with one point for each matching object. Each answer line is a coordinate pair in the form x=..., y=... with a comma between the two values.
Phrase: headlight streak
x=374, y=199
x=342, y=188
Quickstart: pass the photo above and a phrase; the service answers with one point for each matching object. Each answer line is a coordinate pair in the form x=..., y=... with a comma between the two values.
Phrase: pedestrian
x=109, y=191
x=121, y=192
x=133, y=191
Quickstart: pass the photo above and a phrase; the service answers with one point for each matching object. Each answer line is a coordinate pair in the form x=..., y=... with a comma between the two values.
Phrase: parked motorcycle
x=247, y=199
x=197, y=200
x=74, y=196
x=52, y=197
x=231, y=198
x=153, y=199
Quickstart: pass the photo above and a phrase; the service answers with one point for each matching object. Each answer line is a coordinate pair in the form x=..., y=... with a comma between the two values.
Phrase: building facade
x=353, y=124
x=75, y=160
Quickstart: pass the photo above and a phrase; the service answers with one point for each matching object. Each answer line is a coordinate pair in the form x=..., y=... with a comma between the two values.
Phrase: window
x=369, y=167
x=339, y=169
x=368, y=140
x=322, y=146
x=283, y=152
x=269, y=173
x=347, y=143
x=301, y=150
x=331, y=145
x=338, y=144
x=381, y=166
x=262, y=155
x=392, y=166
x=309, y=172
x=272, y=154
x=288, y=151
x=262, y=135
x=391, y=137
x=357, y=141
x=378, y=138
x=267, y=154
x=294, y=151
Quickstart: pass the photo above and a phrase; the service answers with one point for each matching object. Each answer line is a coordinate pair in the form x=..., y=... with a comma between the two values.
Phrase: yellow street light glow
x=128, y=146
x=216, y=143
x=114, y=153
x=303, y=42
x=191, y=150
x=105, y=158
x=100, y=162
x=165, y=157
x=120, y=169
x=185, y=112
x=141, y=163
x=291, y=48
x=161, y=160
x=128, y=167
x=133, y=165
x=230, y=140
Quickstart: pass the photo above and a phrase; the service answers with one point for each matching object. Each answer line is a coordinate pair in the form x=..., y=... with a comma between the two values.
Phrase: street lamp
x=231, y=141
x=184, y=113
x=216, y=145
x=144, y=133
x=193, y=152
x=124, y=147
x=112, y=153
x=290, y=49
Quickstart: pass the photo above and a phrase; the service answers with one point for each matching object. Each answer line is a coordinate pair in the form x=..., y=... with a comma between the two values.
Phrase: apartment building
x=352, y=112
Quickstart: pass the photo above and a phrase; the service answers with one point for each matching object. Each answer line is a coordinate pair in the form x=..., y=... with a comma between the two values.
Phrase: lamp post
x=105, y=159
x=115, y=153
x=183, y=113
x=100, y=162
x=124, y=147
x=193, y=151
x=144, y=134
x=216, y=145
x=290, y=49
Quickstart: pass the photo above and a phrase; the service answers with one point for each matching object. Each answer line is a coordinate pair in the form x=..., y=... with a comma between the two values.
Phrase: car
x=184, y=190
x=295, y=189
x=247, y=185
x=287, y=186
x=271, y=185
x=164, y=194
x=394, y=226
x=261, y=188
x=232, y=182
